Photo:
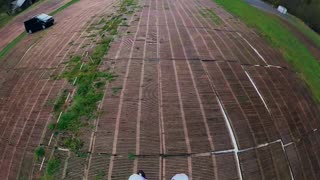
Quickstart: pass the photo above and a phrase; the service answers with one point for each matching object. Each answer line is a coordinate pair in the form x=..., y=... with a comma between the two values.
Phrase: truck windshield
x=43, y=17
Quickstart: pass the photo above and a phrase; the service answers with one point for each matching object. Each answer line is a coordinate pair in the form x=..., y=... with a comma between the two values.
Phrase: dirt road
x=197, y=92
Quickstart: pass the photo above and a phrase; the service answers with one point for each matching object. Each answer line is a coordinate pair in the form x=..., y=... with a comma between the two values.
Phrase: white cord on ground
x=233, y=138
x=254, y=49
x=255, y=87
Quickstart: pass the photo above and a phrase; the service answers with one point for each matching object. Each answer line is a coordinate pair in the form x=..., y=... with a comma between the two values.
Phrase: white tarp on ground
x=20, y=2
x=282, y=9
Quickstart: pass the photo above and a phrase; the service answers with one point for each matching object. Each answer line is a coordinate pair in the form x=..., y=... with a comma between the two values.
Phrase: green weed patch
x=60, y=102
x=39, y=152
x=100, y=175
x=89, y=83
x=73, y=143
x=53, y=167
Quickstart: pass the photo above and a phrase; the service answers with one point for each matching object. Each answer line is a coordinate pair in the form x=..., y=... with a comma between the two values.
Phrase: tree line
x=4, y=5
x=307, y=10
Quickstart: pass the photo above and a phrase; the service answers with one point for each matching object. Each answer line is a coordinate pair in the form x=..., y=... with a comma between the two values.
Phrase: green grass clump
x=88, y=94
x=99, y=84
x=89, y=82
x=39, y=153
x=280, y=37
x=100, y=50
x=82, y=154
x=100, y=175
x=132, y=156
x=73, y=144
x=209, y=13
x=52, y=126
x=126, y=6
x=73, y=68
x=112, y=25
x=89, y=86
x=58, y=105
x=52, y=167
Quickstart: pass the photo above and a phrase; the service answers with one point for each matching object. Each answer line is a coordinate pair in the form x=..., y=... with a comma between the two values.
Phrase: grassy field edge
x=293, y=50
x=306, y=30
x=11, y=45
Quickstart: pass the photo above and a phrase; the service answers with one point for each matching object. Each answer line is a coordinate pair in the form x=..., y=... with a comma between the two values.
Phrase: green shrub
x=74, y=144
x=100, y=175
x=53, y=166
x=39, y=152
x=52, y=126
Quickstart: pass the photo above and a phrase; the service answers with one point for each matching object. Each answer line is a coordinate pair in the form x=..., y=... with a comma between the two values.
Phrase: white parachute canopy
x=20, y=2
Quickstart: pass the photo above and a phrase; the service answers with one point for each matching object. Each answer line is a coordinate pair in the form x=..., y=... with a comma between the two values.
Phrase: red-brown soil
x=208, y=99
